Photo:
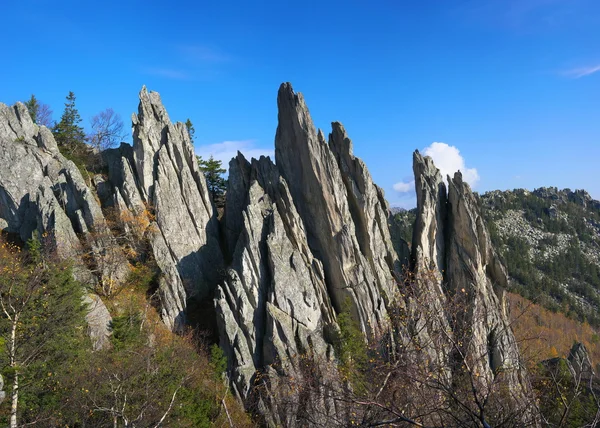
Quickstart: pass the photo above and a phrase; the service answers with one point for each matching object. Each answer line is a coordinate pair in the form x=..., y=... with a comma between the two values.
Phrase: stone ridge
x=273, y=306
x=473, y=265
x=451, y=243
x=323, y=200
x=301, y=240
x=161, y=173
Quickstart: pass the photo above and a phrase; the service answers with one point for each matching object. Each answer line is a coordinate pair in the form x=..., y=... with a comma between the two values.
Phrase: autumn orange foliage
x=545, y=334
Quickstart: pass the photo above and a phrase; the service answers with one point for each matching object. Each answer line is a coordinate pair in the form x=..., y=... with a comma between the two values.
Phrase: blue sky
x=509, y=89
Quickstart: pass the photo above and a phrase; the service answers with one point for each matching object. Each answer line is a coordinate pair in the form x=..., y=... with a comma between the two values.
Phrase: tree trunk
x=15, y=401
x=13, y=363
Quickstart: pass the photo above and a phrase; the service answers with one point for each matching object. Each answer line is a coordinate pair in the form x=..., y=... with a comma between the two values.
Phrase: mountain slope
x=550, y=241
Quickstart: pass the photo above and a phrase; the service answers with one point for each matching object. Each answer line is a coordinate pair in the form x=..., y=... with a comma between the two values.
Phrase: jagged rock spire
x=451, y=242
x=161, y=174
x=273, y=308
x=334, y=207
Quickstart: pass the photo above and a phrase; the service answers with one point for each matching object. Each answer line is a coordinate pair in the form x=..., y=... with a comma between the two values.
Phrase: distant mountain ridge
x=550, y=241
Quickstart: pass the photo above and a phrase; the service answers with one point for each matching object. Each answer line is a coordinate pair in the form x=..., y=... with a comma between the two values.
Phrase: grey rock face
x=475, y=275
x=579, y=365
x=273, y=307
x=458, y=271
x=42, y=194
x=428, y=246
x=160, y=174
x=369, y=211
x=98, y=320
x=125, y=193
x=580, y=361
x=426, y=300
x=323, y=200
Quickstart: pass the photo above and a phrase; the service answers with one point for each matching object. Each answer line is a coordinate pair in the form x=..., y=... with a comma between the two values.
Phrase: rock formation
x=474, y=269
x=160, y=174
x=343, y=212
x=273, y=307
x=43, y=195
x=300, y=238
x=577, y=366
x=460, y=273
x=579, y=359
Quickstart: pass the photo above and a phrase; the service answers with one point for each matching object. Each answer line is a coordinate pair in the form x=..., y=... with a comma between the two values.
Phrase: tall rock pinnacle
x=161, y=173
x=341, y=209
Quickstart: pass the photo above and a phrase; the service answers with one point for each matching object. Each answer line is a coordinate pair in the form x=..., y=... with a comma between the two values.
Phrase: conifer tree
x=41, y=327
x=68, y=134
x=190, y=128
x=33, y=107
x=213, y=172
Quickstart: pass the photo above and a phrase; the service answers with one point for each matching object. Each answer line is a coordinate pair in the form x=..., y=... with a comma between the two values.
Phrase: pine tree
x=213, y=171
x=33, y=107
x=190, y=128
x=40, y=113
x=68, y=134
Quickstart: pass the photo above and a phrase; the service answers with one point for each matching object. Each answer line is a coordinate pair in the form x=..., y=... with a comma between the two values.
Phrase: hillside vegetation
x=549, y=240
x=147, y=376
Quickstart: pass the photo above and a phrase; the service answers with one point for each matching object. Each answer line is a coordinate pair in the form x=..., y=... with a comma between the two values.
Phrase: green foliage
x=126, y=329
x=538, y=278
x=350, y=348
x=218, y=360
x=50, y=333
x=213, y=172
x=33, y=107
x=69, y=135
x=404, y=223
x=563, y=401
x=144, y=276
x=34, y=248
x=40, y=113
x=147, y=373
x=191, y=130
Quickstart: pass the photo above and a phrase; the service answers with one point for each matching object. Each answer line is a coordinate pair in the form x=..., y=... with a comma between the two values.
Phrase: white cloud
x=449, y=160
x=228, y=149
x=576, y=73
x=404, y=187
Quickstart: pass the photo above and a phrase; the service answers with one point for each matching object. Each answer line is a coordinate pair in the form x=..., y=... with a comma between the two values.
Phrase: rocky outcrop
x=577, y=366
x=298, y=241
x=159, y=177
x=342, y=212
x=458, y=270
x=581, y=363
x=429, y=241
x=311, y=232
x=43, y=195
x=475, y=276
x=273, y=308
x=98, y=318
